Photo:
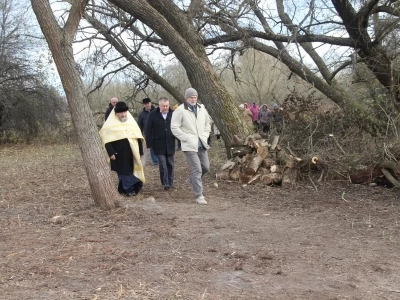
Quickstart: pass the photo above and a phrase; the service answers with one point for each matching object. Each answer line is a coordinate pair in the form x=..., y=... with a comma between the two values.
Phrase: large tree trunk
x=174, y=27
x=60, y=43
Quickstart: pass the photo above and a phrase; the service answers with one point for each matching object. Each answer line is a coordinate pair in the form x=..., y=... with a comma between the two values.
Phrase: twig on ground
x=343, y=197
x=312, y=182
x=337, y=144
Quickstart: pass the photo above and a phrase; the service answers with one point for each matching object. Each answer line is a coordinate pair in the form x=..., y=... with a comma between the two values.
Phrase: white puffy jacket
x=189, y=129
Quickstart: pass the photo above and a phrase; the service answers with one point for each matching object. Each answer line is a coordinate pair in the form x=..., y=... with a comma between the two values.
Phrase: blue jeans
x=166, y=167
x=154, y=158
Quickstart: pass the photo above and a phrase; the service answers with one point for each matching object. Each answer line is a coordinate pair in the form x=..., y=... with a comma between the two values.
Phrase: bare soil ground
x=255, y=242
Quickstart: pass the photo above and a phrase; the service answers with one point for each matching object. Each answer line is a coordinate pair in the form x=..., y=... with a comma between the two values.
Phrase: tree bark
x=60, y=43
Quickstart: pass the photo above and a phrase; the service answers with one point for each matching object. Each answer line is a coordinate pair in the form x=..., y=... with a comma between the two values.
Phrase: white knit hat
x=190, y=92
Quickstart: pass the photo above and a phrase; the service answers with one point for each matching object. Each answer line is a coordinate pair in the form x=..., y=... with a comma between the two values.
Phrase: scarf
x=114, y=130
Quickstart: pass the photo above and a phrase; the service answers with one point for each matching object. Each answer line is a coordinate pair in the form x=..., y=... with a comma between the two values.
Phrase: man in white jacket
x=191, y=125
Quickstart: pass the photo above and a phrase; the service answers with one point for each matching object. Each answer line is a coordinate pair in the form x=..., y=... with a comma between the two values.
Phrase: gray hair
x=163, y=99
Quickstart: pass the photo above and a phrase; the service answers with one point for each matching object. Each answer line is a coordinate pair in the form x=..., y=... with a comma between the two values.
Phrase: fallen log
x=222, y=174
x=248, y=141
x=366, y=176
x=245, y=178
x=274, y=142
x=275, y=169
x=289, y=176
x=254, y=178
x=228, y=165
x=252, y=165
x=390, y=177
x=287, y=160
x=235, y=173
x=263, y=152
x=271, y=178
x=268, y=162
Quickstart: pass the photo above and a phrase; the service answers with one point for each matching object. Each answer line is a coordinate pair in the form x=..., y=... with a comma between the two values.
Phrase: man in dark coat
x=122, y=139
x=113, y=102
x=142, y=120
x=160, y=139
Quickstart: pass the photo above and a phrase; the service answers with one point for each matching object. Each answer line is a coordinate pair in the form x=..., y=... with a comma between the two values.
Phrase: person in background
x=215, y=131
x=111, y=105
x=191, y=125
x=264, y=118
x=122, y=139
x=160, y=139
x=277, y=118
x=248, y=116
x=142, y=119
x=179, y=147
x=255, y=109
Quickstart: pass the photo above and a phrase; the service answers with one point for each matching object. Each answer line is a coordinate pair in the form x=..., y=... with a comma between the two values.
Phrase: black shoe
x=166, y=188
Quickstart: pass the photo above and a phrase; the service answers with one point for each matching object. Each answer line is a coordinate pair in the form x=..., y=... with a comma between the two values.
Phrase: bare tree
x=291, y=34
x=23, y=90
x=60, y=41
x=174, y=29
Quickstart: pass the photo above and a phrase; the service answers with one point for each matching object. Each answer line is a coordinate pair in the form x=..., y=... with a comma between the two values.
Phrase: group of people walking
x=126, y=142
x=260, y=118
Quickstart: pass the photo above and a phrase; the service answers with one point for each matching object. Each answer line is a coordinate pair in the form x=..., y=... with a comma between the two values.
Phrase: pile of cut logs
x=255, y=159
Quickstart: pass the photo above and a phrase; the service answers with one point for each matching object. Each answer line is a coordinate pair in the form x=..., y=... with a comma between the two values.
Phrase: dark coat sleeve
x=108, y=111
x=110, y=149
x=148, y=134
x=140, y=121
x=123, y=163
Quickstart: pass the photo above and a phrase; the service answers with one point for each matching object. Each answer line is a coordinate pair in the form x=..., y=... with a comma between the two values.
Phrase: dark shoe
x=131, y=194
x=166, y=188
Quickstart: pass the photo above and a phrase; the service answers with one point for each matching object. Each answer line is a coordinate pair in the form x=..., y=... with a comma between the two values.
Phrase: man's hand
x=112, y=157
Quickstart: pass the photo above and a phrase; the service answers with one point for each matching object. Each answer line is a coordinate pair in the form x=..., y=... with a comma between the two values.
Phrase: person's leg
x=204, y=161
x=162, y=166
x=195, y=168
x=170, y=167
x=130, y=184
x=154, y=158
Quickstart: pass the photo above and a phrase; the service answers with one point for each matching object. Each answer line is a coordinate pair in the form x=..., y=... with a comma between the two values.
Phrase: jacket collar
x=186, y=105
x=159, y=112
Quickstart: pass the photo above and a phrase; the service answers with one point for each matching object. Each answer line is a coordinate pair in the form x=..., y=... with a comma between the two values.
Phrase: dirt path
x=254, y=242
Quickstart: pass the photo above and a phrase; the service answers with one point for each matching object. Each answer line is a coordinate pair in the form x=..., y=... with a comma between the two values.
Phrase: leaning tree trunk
x=60, y=44
x=175, y=28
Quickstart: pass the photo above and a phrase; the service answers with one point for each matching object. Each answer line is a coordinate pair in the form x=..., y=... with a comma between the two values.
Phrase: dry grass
x=247, y=243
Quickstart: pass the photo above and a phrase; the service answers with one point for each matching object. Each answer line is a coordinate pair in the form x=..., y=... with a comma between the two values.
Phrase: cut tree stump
x=252, y=165
x=235, y=173
x=275, y=169
x=271, y=178
x=268, y=162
